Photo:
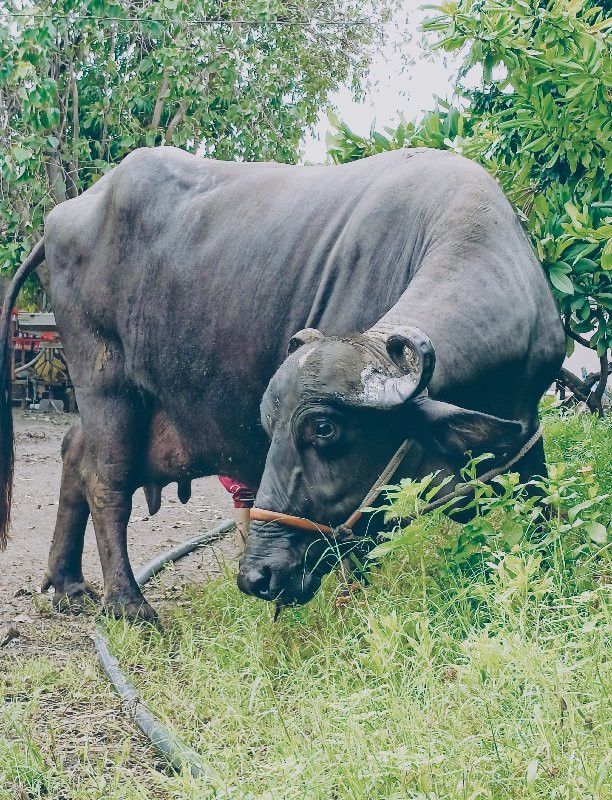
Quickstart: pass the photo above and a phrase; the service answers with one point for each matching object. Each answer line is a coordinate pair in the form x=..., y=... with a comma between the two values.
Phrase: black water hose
x=180, y=757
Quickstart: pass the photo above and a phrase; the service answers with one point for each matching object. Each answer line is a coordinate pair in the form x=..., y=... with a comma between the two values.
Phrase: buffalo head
x=336, y=411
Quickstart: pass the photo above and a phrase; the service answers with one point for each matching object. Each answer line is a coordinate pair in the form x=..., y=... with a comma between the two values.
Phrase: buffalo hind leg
x=113, y=440
x=64, y=569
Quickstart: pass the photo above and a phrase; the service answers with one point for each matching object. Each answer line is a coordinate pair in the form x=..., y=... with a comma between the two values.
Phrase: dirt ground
x=95, y=725
x=38, y=440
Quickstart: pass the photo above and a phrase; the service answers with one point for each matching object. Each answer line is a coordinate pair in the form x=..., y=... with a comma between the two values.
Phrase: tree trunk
x=582, y=390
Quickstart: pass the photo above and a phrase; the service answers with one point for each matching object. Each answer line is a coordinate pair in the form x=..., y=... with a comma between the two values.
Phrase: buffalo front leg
x=112, y=443
x=533, y=465
x=64, y=569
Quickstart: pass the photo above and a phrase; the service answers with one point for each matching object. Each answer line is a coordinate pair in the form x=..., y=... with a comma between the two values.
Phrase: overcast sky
x=396, y=86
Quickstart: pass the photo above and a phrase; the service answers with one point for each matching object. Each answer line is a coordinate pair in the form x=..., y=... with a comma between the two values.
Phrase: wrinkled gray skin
x=177, y=284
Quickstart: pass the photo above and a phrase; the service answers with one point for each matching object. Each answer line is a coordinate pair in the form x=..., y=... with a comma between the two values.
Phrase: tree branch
x=577, y=338
x=175, y=121
x=573, y=383
x=582, y=390
x=105, y=97
x=597, y=396
x=73, y=168
x=183, y=103
x=55, y=179
x=63, y=101
x=159, y=101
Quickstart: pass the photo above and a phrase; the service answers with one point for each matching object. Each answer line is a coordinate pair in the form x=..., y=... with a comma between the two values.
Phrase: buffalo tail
x=7, y=448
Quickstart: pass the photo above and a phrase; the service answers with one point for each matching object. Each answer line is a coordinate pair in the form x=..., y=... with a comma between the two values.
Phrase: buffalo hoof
x=136, y=610
x=72, y=597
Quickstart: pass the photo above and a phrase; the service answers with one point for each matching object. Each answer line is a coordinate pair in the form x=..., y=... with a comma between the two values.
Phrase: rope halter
x=345, y=532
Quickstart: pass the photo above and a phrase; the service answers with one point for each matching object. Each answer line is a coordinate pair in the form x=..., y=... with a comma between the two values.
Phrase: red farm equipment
x=39, y=372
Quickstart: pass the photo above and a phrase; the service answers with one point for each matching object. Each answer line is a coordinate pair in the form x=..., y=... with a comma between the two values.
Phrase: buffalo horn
x=412, y=352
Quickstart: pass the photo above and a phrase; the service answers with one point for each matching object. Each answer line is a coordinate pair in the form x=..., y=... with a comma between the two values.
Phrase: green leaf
x=512, y=532
x=574, y=213
x=334, y=119
x=23, y=69
x=597, y=532
x=21, y=154
x=561, y=282
x=541, y=143
x=585, y=265
x=541, y=205
x=575, y=90
x=575, y=510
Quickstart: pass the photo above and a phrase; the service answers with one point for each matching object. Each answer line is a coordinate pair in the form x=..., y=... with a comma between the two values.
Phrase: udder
x=169, y=458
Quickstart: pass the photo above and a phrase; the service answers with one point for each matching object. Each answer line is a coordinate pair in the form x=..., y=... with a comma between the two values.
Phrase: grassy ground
x=475, y=665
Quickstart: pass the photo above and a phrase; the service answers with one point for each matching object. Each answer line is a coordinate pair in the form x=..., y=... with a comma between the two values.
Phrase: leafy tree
x=541, y=123
x=84, y=82
x=441, y=128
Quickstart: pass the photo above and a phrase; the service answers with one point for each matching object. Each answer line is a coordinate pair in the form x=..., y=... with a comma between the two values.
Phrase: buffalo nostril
x=255, y=581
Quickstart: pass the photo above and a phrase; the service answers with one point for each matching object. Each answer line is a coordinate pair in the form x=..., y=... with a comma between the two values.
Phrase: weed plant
x=475, y=665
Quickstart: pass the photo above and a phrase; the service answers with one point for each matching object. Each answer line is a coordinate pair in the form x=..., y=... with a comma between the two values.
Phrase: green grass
x=62, y=733
x=458, y=674
x=441, y=680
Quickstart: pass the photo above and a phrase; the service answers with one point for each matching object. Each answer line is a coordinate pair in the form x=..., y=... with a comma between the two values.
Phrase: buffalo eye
x=324, y=429
x=319, y=432
x=316, y=427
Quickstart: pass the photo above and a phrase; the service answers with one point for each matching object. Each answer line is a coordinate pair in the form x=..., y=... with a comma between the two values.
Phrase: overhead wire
x=197, y=21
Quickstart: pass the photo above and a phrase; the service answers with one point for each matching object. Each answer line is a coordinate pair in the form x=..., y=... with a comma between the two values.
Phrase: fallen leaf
x=450, y=674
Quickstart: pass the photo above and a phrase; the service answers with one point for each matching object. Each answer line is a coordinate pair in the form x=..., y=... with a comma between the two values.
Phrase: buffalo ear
x=305, y=336
x=455, y=431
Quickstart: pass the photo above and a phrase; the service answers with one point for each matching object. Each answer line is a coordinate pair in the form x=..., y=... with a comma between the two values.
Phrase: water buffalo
x=178, y=284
